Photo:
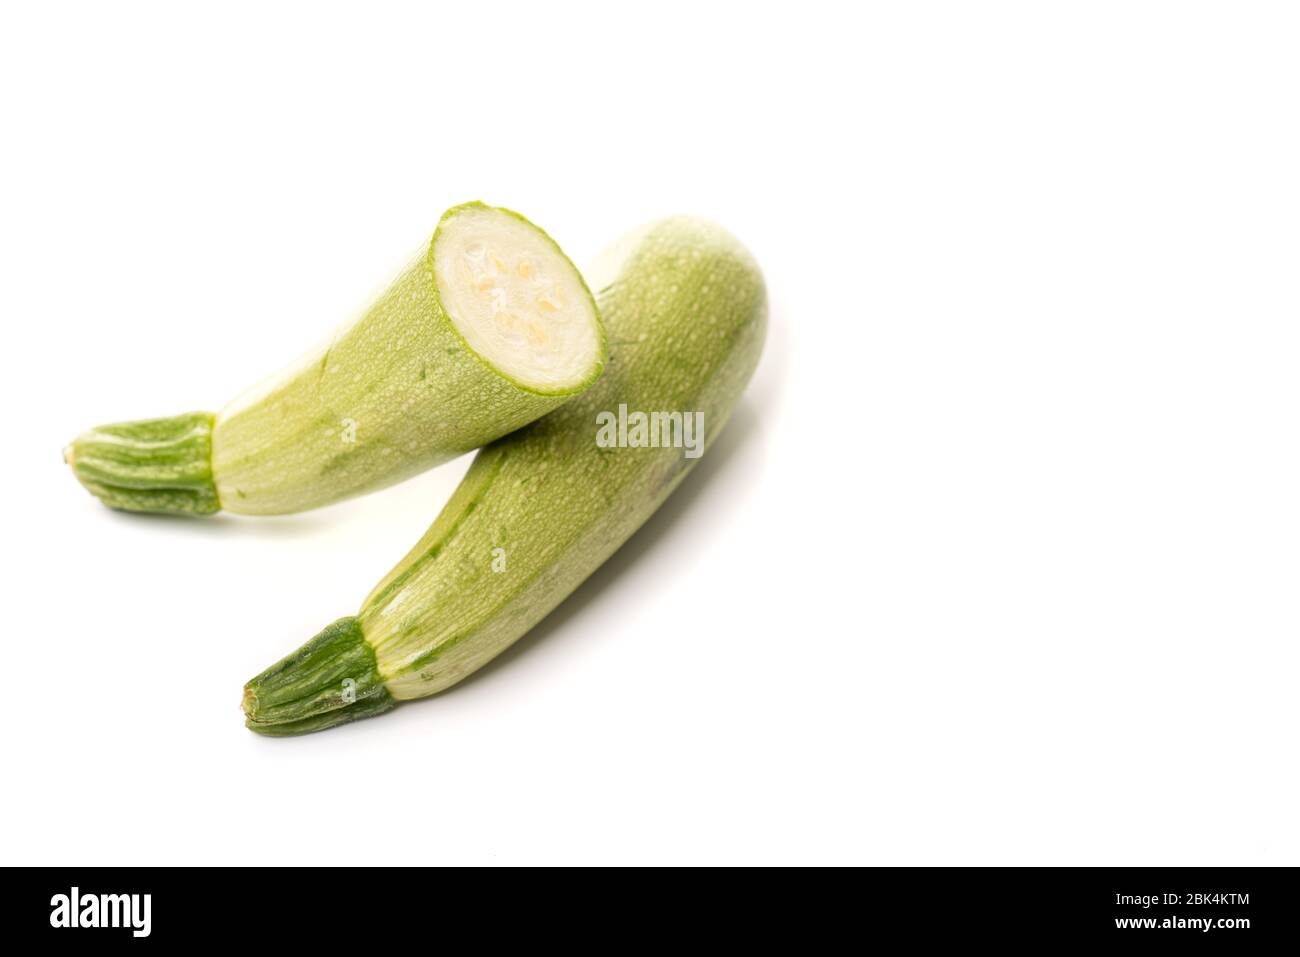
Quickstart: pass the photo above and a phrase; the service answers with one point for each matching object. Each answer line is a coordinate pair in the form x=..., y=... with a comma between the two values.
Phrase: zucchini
x=488, y=329
x=539, y=510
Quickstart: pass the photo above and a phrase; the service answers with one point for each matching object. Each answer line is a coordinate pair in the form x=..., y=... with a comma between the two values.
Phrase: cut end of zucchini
x=153, y=465
x=517, y=300
x=330, y=680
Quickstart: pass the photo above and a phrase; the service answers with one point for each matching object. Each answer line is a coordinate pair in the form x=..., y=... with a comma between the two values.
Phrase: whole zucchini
x=490, y=328
x=539, y=510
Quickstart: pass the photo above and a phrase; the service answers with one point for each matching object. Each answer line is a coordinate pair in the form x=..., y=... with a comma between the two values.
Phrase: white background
x=997, y=562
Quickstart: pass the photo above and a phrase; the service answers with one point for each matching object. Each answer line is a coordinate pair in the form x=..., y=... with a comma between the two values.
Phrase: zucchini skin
x=394, y=393
x=685, y=310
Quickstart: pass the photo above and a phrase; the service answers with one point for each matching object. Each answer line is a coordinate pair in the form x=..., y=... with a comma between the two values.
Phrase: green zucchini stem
x=330, y=680
x=153, y=465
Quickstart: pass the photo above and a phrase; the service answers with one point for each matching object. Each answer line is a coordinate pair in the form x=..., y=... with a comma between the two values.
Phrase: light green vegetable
x=541, y=509
x=490, y=328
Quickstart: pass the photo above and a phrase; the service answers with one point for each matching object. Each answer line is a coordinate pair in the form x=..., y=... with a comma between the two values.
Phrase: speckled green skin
x=686, y=317
x=395, y=393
